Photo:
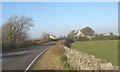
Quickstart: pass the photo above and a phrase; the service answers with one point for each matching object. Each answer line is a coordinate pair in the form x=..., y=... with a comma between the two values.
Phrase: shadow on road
x=25, y=51
x=49, y=43
x=14, y=55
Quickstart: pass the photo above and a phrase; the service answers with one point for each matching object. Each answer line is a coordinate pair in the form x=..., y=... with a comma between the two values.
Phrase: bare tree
x=15, y=30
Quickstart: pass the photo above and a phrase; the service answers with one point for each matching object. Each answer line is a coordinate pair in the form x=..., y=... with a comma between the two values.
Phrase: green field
x=107, y=50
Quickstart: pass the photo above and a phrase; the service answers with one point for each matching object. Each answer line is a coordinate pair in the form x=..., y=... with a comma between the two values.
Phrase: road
x=20, y=60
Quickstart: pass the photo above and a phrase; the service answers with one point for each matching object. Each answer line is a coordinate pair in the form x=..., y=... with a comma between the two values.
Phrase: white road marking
x=22, y=52
x=34, y=60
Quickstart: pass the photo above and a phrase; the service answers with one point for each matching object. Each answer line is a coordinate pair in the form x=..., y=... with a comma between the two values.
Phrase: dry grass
x=50, y=60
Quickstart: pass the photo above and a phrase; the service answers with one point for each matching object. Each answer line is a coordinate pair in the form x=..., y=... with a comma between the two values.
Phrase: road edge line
x=35, y=59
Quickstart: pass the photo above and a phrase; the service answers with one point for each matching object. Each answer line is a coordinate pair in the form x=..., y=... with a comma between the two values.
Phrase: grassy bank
x=51, y=59
x=107, y=50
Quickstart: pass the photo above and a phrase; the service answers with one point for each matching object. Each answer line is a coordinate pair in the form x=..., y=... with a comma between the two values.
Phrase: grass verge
x=51, y=59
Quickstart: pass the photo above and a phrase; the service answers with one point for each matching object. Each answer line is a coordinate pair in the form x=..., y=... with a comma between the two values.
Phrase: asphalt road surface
x=20, y=60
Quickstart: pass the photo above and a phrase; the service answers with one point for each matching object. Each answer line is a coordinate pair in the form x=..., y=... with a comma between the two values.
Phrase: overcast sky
x=59, y=18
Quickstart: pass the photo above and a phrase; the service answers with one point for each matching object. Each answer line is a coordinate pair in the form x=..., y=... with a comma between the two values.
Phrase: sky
x=59, y=18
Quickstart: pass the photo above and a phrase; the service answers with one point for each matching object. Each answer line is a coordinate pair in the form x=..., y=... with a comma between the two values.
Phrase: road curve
x=22, y=59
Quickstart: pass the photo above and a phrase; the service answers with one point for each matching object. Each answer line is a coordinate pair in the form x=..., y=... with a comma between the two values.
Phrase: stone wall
x=78, y=60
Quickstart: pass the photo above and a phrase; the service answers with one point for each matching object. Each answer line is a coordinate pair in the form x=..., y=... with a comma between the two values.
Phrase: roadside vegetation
x=15, y=32
x=52, y=59
x=107, y=50
x=88, y=34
